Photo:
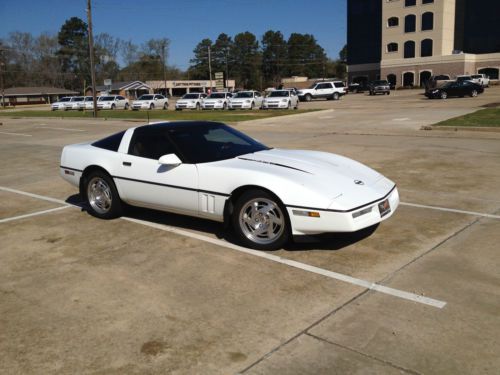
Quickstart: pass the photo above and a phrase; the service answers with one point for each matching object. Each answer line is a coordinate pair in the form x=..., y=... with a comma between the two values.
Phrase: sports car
x=212, y=171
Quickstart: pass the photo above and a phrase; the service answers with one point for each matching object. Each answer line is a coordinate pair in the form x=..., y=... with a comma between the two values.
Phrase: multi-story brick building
x=407, y=41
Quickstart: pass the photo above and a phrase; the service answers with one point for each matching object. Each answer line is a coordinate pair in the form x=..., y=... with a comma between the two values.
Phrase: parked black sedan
x=459, y=88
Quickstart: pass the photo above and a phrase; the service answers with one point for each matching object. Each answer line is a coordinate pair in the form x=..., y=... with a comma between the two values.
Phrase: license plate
x=384, y=208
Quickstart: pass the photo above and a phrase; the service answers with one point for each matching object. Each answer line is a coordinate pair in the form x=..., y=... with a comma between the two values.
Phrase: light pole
x=1, y=84
x=91, y=51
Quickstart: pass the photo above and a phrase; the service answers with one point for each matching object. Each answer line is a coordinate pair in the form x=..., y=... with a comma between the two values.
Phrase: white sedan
x=212, y=171
x=61, y=104
x=216, y=100
x=150, y=101
x=87, y=103
x=246, y=100
x=284, y=99
x=192, y=100
x=112, y=102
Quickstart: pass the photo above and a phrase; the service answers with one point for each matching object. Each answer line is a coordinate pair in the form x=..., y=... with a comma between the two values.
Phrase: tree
x=247, y=59
x=305, y=56
x=274, y=55
x=129, y=52
x=199, y=63
x=343, y=54
x=221, y=54
x=74, y=52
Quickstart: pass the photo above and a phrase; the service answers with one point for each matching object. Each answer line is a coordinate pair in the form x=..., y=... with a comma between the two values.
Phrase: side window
x=257, y=95
x=150, y=144
x=121, y=98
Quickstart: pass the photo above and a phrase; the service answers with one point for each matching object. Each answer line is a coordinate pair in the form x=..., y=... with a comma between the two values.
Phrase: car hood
x=186, y=100
x=213, y=99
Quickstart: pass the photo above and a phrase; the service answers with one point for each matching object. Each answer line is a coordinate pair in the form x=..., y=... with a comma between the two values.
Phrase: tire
x=296, y=105
x=126, y=106
x=388, y=93
x=473, y=93
x=165, y=106
x=101, y=195
x=289, y=106
x=113, y=107
x=443, y=95
x=308, y=97
x=335, y=96
x=268, y=230
x=198, y=107
x=224, y=106
x=151, y=106
x=252, y=106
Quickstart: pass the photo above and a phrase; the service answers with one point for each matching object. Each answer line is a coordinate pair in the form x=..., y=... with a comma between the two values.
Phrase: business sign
x=219, y=81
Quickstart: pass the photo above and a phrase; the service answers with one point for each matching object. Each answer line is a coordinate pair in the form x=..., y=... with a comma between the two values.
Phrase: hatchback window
x=339, y=84
x=111, y=143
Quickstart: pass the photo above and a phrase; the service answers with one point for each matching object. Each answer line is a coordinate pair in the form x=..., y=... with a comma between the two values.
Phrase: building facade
x=421, y=38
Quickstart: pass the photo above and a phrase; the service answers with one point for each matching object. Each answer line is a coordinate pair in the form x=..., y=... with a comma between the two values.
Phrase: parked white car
x=86, y=103
x=246, y=100
x=150, y=101
x=74, y=102
x=323, y=90
x=112, y=102
x=284, y=99
x=216, y=100
x=193, y=100
x=481, y=79
x=61, y=104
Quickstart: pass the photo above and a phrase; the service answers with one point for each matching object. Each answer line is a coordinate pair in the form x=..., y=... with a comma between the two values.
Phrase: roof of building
x=128, y=85
x=28, y=91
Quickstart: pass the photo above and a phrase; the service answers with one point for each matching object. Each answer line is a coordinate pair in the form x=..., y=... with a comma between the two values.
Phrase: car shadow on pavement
x=327, y=241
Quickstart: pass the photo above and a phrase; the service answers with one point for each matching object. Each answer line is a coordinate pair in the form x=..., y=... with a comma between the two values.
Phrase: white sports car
x=211, y=170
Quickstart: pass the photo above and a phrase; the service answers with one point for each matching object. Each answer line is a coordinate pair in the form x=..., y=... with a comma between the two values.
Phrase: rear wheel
x=165, y=106
x=113, y=106
x=102, y=196
x=473, y=93
x=443, y=95
x=198, y=107
x=151, y=106
x=335, y=96
x=260, y=222
x=308, y=97
x=126, y=106
x=224, y=106
x=252, y=106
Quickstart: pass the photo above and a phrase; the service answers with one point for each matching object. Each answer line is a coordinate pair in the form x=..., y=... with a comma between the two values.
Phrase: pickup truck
x=481, y=79
x=323, y=90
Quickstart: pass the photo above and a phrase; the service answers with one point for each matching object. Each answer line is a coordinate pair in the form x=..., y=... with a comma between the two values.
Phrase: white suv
x=323, y=90
x=481, y=79
x=216, y=100
x=246, y=99
x=150, y=101
x=193, y=100
x=112, y=102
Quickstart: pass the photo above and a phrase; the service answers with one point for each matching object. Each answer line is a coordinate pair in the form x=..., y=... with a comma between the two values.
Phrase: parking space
x=161, y=293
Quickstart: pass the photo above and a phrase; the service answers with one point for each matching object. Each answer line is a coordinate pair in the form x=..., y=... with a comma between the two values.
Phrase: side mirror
x=170, y=159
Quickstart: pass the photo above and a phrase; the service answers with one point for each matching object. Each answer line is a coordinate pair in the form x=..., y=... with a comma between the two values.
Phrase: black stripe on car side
x=277, y=164
x=171, y=186
x=70, y=169
x=343, y=211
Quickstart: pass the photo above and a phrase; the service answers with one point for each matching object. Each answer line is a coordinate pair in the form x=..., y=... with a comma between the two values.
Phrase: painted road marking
x=400, y=119
x=33, y=214
x=41, y=197
x=292, y=263
x=19, y=134
x=326, y=117
x=64, y=129
x=490, y=216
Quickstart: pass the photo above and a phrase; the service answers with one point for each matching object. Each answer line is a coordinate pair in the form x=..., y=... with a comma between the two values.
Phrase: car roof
x=179, y=124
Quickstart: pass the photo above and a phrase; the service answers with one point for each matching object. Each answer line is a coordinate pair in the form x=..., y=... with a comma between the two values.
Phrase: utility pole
x=1, y=84
x=91, y=51
x=210, y=68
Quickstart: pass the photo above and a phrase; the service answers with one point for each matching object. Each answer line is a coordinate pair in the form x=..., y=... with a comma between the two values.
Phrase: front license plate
x=384, y=208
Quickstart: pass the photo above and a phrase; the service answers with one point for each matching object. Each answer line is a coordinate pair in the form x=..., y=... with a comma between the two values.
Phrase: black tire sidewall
x=244, y=198
x=116, y=203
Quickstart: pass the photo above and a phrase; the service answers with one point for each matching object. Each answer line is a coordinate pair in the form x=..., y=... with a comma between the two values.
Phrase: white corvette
x=210, y=170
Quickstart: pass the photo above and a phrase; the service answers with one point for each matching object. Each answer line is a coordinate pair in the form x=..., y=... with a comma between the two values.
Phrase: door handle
x=127, y=164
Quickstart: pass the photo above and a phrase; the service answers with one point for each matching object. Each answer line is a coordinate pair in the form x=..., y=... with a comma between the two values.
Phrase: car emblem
x=359, y=182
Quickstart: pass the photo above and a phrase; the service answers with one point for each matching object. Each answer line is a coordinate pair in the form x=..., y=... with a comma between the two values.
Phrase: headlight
x=247, y=101
x=191, y=102
x=435, y=91
x=284, y=100
x=219, y=101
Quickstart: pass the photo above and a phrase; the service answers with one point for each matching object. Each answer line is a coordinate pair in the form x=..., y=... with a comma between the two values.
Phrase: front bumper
x=213, y=105
x=185, y=105
x=333, y=221
x=137, y=106
x=274, y=105
x=240, y=105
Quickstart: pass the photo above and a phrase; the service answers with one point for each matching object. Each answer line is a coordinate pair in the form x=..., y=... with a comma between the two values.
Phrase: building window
x=425, y=76
x=408, y=79
x=427, y=1
x=410, y=3
x=393, y=22
x=392, y=47
x=491, y=72
x=410, y=23
x=391, y=78
x=409, y=49
x=427, y=21
x=426, y=48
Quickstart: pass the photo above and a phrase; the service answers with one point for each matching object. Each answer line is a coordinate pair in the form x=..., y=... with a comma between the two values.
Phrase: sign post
x=219, y=81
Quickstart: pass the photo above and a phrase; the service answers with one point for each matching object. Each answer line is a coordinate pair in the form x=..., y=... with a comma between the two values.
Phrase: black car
x=459, y=88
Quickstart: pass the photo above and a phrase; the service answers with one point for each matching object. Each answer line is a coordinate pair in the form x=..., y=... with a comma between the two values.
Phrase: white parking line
x=64, y=129
x=400, y=119
x=19, y=134
x=450, y=210
x=292, y=263
x=6, y=220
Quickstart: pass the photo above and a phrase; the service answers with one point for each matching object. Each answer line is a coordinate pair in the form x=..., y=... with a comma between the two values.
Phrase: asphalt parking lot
x=155, y=293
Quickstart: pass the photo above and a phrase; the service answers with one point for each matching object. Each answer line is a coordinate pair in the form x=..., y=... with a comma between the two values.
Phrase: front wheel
x=126, y=106
x=102, y=196
x=260, y=222
x=308, y=98
x=165, y=106
x=473, y=93
x=198, y=107
x=151, y=107
x=335, y=96
x=443, y=95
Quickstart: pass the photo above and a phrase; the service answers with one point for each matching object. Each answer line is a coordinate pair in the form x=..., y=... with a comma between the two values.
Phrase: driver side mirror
x=170, y=159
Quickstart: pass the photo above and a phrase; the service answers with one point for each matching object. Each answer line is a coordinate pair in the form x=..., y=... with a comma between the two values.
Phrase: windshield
x=279, y=94
x=208, y=142
x=146, y=97
x=218, y=95
x=243, y=94
x=106, y=98
x=190, y=96
x=381, y=83
x=476, y=76
x=77, y=99
x=65, y=100
x=89, y=99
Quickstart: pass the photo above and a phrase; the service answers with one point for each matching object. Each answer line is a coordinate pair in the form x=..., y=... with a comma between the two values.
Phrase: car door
x=323, y=90
x=145, y=182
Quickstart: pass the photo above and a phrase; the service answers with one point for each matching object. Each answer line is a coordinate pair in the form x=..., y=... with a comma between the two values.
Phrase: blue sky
x=184, y=22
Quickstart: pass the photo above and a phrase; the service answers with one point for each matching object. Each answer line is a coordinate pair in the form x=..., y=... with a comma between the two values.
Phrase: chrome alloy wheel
x=99, y=195
x=261, y=221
